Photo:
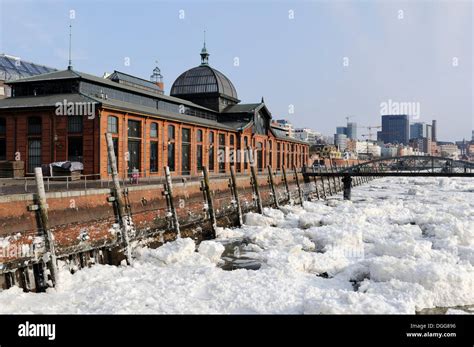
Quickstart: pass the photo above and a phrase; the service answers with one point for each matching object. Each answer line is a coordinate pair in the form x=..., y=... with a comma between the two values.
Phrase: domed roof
x=203, y=79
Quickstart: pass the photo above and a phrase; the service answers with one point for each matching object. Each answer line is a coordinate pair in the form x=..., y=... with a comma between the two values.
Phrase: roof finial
x=263, y=100
x=204, y=54
x=69, y=67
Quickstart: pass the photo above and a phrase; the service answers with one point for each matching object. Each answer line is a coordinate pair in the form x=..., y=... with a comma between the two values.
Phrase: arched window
x=112, y=125
x=270, y=153
x=199, y=138
x=154, y=130
x=171, y=147
x=211, y=151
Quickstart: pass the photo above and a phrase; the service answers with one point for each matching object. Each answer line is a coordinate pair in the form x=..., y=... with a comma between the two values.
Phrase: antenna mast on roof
x=70, y=43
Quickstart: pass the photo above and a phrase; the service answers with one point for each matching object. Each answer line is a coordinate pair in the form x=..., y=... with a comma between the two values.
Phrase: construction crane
x=369, y=128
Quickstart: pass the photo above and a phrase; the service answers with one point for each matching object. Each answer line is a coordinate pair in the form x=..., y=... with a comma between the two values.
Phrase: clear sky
x=329, y=59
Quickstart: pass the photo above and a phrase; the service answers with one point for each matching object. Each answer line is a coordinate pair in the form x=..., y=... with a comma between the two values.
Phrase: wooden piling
x=235, y=194
x=285, y=181
x=272, y=186
x=125, y=220
x=209, y=200
x=48, y=237
x=256, y=190
x=300, y=194
x=169, y=197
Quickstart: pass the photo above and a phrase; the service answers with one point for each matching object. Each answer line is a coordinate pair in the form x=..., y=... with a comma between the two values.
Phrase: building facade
x=65, y=115
x=395, y=129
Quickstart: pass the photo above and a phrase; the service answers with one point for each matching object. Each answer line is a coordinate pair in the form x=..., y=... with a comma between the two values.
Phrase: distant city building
x=352, y=130
x=341, y=130
x=434, y=131
x=418, y=130
x=340, y=141
x=368, y=149
x=288, y=126
x=395, y=129
x=13, y=68
x=306, y=134
x=450, y=151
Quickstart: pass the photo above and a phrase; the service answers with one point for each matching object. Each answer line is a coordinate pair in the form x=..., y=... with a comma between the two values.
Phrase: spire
x=204, y=54
x=69, y=67
x=263, y=101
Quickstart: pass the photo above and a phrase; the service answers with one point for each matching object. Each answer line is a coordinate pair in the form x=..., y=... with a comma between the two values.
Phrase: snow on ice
x=401, y=245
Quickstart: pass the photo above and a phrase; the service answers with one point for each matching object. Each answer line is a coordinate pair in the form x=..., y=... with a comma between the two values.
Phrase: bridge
x=405, y=166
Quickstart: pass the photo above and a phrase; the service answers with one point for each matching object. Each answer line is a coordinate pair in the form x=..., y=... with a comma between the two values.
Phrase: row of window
x=134, y=145
x=35, y=128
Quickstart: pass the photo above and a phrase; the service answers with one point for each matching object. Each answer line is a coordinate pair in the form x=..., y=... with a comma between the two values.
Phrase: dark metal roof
x=121, y=77
x=241, y=108
x=13, y=68
x=72, y=74
x=42, y=101
x=203, y=80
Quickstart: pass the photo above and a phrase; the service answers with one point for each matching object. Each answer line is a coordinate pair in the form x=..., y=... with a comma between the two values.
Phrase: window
x=199, y=135
x=34, y=126
x=211, y=151
x=134, y=128
x=34, y=155
x=74, y=149
x=154, y=156
x=259, y=156
x=246, y=153
x=232, y=149
x=109, y=167
x=199, y=149
x=171, y=147
x=3, y=149
x=74, y=124
x=112, y=125
x=3, y=127
x=278, y=156
x=270, y=153
x=186, y=151
x=221, y=155
x=171, y=132
x=154, y=130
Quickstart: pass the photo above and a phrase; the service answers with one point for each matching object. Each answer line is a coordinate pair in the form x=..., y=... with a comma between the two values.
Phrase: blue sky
x=398, y=50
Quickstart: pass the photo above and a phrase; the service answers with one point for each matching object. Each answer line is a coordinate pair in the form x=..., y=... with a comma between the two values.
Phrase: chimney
x=433, y=131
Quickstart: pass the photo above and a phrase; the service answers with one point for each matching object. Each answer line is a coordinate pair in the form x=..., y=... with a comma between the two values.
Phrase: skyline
x=297, y=61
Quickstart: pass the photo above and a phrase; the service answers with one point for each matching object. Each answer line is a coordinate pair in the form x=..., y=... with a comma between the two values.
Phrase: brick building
x=64, y=115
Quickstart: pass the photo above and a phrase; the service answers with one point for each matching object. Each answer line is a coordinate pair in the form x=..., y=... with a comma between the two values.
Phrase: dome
x=203, y=80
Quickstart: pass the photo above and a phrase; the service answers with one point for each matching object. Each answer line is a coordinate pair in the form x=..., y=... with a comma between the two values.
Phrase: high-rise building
x=434, y=133
x=395, y=129
x=418, y=130
x=340, y=140
x=352, y=130
x=341, y=130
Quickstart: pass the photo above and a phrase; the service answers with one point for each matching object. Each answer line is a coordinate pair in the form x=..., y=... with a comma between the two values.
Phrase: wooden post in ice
x=329, y=181
x=322, y=183
x=300, y=194
x=209, y=201
x=316, y=184
x=333, y=177
x=48, y=236
x=272, y=186
x=285, y=181
x=169, y=198
x=119, y=200
x=253, y=173
x=235, y=194
x=256, y=189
